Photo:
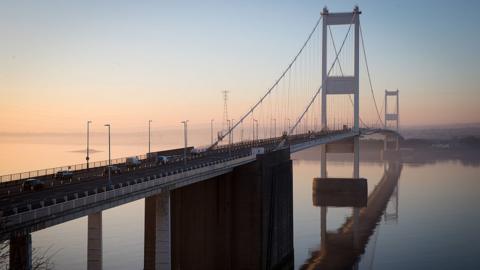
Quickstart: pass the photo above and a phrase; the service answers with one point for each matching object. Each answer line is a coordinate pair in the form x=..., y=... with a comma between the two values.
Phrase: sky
x=125, y=62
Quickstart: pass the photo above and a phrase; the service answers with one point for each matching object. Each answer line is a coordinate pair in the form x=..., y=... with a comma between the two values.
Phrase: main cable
x=271, y=88
x=369, y=78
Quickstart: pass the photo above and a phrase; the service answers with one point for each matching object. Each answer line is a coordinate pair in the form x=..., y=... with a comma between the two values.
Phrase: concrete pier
x=94, y=244
x=157, y=249
x=21, y=252
x=239, y=220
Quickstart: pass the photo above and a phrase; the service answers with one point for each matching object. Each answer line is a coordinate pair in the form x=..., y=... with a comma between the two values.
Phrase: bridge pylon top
x=391, y=93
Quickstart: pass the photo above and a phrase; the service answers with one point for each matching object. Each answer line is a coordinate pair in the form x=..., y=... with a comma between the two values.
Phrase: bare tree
x=41, y=259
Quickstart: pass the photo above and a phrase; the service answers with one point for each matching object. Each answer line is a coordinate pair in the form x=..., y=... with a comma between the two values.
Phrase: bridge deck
x=15, y=205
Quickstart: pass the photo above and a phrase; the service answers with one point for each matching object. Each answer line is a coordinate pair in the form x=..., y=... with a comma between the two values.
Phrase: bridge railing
x=51, y=171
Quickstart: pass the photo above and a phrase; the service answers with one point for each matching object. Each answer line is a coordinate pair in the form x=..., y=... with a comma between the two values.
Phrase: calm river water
x=431, y=219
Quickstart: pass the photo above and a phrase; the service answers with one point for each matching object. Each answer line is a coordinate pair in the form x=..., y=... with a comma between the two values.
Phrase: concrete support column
x=324, y=71
x=323, y=161
x=323, y=225
x=356, y=157
x=21, y=252
x=356, y=71
x=94, y=245
x=157, y=245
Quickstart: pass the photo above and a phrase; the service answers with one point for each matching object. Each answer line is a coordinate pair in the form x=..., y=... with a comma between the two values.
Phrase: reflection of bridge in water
x=342, y=249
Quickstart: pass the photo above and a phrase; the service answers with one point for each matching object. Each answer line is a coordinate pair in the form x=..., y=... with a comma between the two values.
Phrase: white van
x=199, y=150
x=133, y=162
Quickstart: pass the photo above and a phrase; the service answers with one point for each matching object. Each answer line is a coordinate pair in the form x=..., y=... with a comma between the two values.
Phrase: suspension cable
x=369, y=78
x=320, y=88
x=271, y=88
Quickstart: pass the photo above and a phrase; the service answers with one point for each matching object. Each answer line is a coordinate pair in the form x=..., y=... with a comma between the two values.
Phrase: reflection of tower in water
x=342, y=248
x=391, y=211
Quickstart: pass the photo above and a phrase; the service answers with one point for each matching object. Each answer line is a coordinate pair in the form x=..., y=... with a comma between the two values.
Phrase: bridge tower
x=341, y=85
x=389, y=118
x=346, y=84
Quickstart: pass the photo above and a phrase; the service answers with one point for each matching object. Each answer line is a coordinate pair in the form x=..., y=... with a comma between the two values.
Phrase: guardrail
x=69, y=202
x=75, y=167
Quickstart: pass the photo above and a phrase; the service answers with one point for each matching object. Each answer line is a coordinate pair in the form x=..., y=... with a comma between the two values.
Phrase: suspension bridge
x=315, y=101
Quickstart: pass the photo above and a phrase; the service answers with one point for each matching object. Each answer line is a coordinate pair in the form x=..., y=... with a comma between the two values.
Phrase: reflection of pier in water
x=341, y=249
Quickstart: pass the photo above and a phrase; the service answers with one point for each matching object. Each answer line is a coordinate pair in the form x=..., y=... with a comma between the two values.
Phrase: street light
x=274, y=127
x=229, y=133
x=211, y=131
x=253, y=130
x=241, y=132
x=149, y=122
x=185, y=138
x=109, y=156
x=229, y=138
x=255, y=121
x=88, y=143
x=231, y=126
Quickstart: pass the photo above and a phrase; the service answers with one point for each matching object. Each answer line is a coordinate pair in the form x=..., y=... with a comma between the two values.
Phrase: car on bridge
x=158, y=158
x=32, y=184
x=162, y=159
x=64, y=175
x=113, y=170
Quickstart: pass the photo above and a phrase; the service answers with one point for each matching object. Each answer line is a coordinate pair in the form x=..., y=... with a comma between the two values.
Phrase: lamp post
x=241, y=132
x=88, y=144
x=274, y=127
x=211, y=131
x=149, y=122
x=228, y=129
x=186, y=143
x=229, y=138
x=109, y=156
x=288, y=131
x=256, y=133
x=231, y=131
x=253, y=130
